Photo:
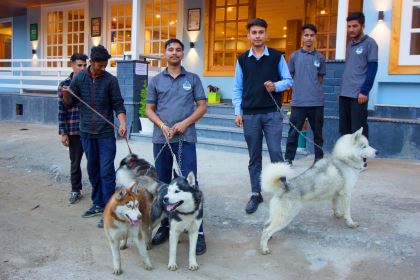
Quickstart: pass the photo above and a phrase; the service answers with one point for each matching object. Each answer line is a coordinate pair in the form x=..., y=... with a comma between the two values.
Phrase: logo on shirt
x=317, y=63
x=186, y=85
x=359, y=50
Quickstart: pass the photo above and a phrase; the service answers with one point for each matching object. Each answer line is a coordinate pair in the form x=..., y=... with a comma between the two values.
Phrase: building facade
x=213, y=31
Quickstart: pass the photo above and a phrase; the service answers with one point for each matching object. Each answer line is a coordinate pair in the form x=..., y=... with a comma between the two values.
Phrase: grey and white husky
x=182, y=202
x=333, y=178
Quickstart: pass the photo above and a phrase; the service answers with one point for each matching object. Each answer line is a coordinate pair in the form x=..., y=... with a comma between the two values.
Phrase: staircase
x=216, y=130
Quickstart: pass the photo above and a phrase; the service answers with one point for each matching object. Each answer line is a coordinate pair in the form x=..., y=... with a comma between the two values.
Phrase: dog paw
x=338, y=215
x=265, y=251
x=148, y=266
x=352, y=225
x=193, y=266
x=172, y=266
x=117, y=271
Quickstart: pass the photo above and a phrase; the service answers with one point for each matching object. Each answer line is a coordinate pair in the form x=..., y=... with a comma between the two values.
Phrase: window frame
x=65, y=8
x=209, y=69
x=395, y=66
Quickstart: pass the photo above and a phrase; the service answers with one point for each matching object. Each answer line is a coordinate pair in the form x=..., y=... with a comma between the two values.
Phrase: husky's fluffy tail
x=274, y=177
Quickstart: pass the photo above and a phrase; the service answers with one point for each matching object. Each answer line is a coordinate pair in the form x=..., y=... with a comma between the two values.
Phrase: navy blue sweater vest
x=255, y=98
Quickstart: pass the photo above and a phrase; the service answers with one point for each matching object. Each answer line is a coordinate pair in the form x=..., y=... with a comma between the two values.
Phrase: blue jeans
x=164, y=164
x=271, y=124
x=100, y=154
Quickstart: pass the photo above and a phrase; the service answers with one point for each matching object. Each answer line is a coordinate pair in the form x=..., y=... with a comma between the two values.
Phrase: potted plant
x=214, y=95
x=146, y=124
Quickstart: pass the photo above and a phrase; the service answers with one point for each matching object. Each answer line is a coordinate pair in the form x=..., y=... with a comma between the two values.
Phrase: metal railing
x=42, y=74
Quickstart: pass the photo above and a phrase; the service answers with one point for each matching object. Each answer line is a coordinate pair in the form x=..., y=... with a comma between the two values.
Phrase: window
x=120, y=29
x=65, y=34
x=323, y=13
x=226, y=34
x=5, y=42
x=405, y=42
x=410, y=33
x=160, y=25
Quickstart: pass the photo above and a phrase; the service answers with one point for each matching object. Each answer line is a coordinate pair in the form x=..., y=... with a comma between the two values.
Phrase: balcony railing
x=42, y=75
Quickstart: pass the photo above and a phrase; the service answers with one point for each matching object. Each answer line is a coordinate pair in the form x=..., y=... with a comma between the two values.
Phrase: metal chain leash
x=291, y=124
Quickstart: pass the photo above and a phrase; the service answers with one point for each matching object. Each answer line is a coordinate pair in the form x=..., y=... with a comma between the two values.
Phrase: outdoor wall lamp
x=33, y=51
x=381, y=16
x=192, y=45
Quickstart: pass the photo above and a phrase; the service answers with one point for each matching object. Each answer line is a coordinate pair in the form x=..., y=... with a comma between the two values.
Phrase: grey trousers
x=271, y=124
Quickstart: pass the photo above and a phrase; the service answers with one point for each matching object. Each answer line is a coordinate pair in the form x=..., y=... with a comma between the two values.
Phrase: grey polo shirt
x=175, y=101
x=305, y=67
x=358, y=54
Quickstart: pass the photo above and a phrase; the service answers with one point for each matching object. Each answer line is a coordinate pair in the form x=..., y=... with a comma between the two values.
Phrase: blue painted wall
x=20, y=33
x=388, y=89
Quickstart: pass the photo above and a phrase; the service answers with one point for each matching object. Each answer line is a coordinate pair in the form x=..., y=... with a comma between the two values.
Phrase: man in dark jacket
x=100, y=90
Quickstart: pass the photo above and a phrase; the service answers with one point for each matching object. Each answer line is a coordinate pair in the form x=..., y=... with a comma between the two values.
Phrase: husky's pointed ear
x=357, y=134
x=121, y=193
x=191, y=179
x=175, y=174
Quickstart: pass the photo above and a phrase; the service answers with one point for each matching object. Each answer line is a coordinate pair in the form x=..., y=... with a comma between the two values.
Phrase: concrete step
x=222, y=109
x=398, y=112
x=225, y=120
x=220, y=144
x=222, y=132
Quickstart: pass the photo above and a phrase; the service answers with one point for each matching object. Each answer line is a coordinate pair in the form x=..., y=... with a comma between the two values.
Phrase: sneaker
x=201, y=247
x=161, y=235
x=95, y=210
x=253, y=203
x=101, y=223
x=75, y=197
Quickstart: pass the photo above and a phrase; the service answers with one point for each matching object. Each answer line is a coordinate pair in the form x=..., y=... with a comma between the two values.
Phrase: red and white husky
x=128, y=214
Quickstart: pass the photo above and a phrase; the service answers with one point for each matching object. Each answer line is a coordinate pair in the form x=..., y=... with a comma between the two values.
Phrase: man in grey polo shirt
x=359, y=73
x=175, y=101
x=307, y=67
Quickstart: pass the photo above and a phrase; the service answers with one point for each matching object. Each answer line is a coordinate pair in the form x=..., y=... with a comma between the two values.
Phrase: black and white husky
x=182, y=202
x=333, y=177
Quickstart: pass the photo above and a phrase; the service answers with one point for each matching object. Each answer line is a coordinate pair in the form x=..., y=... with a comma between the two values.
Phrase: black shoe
x=201, y=247
x=95, y=210
x=74, y=197
x=101, y=223
x=161, y=235
x=253, y=202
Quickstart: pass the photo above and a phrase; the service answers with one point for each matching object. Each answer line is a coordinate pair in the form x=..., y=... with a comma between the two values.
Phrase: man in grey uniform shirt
x=175, y=101
x=307, y=67
x=359, y=73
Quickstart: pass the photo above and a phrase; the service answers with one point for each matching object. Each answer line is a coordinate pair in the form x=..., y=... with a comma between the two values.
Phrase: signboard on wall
x=33, y=31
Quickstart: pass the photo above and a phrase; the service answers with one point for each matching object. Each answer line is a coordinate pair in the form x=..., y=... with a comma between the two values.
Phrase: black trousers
x=315, y=117
x=76, y=154
x=352, y=116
